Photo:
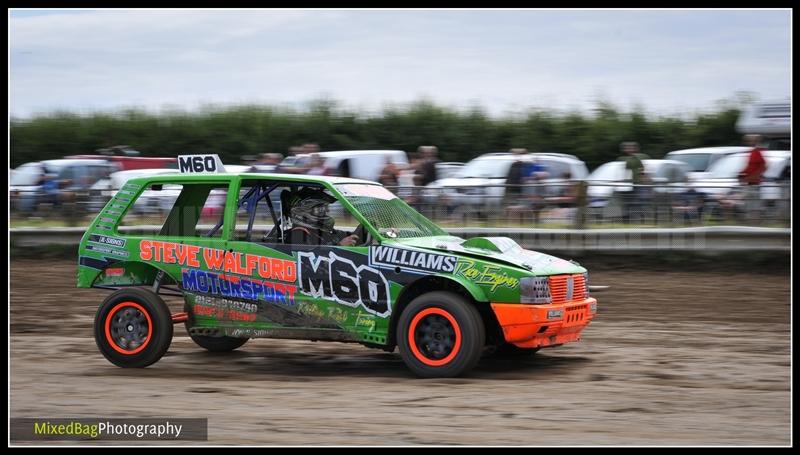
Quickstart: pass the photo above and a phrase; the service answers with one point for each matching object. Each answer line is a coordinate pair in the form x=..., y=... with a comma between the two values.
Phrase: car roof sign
x=200, y=164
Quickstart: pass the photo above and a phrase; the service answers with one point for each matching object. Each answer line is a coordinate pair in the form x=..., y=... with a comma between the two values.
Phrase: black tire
x=133, y=328
x=218, y=344
x=440, y=348
x=508, y=350
x=214, y=344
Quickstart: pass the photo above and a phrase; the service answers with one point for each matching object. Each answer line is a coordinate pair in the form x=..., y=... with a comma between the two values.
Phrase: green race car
x=315, y=258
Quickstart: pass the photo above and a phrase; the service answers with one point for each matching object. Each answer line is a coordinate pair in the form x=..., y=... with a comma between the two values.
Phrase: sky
x=668, y=62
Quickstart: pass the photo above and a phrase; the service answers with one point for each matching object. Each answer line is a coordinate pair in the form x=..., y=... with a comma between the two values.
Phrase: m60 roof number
x=198, y=164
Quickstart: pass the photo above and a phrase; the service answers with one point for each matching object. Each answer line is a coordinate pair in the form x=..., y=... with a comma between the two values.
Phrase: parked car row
x=479, y=184
x=483, y=180
x=32, y=184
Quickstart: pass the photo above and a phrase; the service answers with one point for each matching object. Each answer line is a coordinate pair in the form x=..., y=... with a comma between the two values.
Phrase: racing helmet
x=312, y=213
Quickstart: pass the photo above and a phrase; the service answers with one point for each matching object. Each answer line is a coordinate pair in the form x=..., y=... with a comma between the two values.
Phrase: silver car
x=481, y=182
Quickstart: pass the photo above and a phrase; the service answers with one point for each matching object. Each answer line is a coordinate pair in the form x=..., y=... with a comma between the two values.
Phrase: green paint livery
x=236, y=285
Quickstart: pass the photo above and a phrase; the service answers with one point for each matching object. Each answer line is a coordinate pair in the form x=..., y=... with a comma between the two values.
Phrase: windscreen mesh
x=395, y=215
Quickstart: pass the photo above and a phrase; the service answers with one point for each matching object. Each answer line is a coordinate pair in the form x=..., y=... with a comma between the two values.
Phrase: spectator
x=50, y=189
x=536, y=192
x=517, y=174
x=633, y=163
x=687, y=206
x=311, y=148
x=427, y=165
x=317, y=165
x=752, y=174
x=270, y=159
x=633, y=160
x=566, y=192
x=756, y=165
x=389, y=174
x=564, y=198
x=268, y=162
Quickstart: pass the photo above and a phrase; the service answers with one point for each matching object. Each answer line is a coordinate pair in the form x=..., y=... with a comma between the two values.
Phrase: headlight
x=534, y=289
x=586, y=284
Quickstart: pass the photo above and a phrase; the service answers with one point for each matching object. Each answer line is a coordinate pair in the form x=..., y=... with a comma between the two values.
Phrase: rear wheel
x=440, y=334
x=133, y=328
x=218, y=344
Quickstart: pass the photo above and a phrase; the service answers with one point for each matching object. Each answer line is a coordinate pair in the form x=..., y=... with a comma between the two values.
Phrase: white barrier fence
x=716, y=239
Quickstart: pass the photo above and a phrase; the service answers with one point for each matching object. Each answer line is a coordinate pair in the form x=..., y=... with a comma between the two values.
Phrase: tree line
x=239, y=131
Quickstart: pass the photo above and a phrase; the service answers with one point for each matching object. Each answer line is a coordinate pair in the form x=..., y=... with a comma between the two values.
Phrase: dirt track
x=673, y=358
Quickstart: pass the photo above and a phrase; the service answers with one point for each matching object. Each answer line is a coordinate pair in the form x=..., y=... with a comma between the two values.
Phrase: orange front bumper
x=528, y=326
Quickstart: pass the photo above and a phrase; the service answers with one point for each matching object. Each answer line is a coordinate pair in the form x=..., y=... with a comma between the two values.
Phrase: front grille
x=568, y=288
x=575, y=314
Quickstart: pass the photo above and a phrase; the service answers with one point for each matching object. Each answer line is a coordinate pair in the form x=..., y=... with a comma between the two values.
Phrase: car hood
x=501, y=250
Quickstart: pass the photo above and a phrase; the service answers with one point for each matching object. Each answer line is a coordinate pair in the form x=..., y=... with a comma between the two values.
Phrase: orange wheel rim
x=128, y=326
x=434, y=333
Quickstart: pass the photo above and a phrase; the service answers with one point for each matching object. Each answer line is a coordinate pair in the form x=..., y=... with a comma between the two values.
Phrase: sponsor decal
x=336, y=278
x=106, y=240
x=201, y=281
x=250, y=333
x=487, y=275
x=366, y=321
x=337, y=314
x=218, y=260
x=102, y=249
x=115, y=271
x=225, y=309
x=311, y=309
x=415, y=261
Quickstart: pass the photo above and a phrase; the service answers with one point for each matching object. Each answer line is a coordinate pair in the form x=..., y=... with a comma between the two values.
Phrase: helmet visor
x=320, y=210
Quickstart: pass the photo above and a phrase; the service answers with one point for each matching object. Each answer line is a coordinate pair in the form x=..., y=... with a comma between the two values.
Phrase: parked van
x=772, y=120
x=357, y=164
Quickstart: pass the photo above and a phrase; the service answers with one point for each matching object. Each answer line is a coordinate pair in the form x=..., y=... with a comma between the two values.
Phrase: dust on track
x=673, y=358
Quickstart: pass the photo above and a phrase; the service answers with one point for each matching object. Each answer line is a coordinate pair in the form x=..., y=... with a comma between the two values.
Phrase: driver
x=312, y=225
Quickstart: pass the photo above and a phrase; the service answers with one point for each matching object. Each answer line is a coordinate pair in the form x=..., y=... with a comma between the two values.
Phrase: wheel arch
x=131, y=273
x=471, y=292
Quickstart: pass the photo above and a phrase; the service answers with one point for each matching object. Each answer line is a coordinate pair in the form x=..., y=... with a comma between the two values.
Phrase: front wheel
x=133, y=328
x=440, y=334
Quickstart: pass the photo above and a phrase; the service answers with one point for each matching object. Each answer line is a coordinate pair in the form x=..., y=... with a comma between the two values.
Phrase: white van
x=357, y=164
x=770, y=119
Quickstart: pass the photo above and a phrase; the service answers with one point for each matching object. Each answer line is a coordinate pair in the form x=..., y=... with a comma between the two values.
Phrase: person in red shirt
x=751, y=175
x=756, y=164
